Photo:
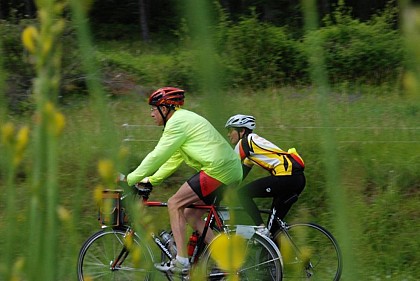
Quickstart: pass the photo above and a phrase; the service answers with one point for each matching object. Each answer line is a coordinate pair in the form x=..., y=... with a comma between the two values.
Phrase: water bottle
x=192, y=243
x=168, y=241
x=165, y=236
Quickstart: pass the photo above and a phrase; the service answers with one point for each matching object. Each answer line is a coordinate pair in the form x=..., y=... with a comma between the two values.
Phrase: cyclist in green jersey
x=286, y=180
x=187, y=137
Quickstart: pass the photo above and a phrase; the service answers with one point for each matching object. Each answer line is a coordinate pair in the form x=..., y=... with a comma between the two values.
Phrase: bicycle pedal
x=177, y=276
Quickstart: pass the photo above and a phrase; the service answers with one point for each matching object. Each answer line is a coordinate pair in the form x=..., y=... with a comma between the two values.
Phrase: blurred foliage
x=19, y=65
x=250, y=53
x=255, y=54
x=259, y=55
x=374, y=123
x=367, y=52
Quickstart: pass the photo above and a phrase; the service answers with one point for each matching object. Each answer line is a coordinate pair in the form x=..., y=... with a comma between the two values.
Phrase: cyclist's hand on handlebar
x=144, y=183
x=144, y=187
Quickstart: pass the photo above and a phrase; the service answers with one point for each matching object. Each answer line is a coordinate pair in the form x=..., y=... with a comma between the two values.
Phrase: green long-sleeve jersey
x=191, y=138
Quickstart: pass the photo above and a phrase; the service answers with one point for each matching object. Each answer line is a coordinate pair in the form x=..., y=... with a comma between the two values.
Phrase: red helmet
x=168, y=96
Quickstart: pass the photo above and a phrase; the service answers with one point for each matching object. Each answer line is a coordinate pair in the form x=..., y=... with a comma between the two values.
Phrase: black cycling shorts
x=207, y=188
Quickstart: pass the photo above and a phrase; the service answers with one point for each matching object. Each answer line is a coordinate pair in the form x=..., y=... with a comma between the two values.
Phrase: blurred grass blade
x=334, y=186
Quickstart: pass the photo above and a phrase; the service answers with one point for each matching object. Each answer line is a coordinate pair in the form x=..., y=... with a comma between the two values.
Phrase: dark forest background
x=256, y=43
x=154, y=16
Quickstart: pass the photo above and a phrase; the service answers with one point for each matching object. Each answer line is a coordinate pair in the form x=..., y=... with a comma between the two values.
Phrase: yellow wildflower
x=17, y=269
x=229, y=251
x=29, y=38
x=56, y=120
x=410, y=83
x=22, y=139
x=123, y=152
x=106, y=170
x=97, y=194
x=63, y=213
x=59, y=123
x=7, y=132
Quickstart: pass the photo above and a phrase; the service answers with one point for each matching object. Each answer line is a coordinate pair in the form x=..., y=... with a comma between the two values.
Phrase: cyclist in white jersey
x=187, y=137
x=286, y=180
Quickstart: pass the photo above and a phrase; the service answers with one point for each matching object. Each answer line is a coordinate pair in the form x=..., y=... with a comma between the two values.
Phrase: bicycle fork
x=116, y=264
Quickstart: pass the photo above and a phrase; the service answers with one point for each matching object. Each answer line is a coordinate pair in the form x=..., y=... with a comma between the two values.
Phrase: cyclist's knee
x=173, y=204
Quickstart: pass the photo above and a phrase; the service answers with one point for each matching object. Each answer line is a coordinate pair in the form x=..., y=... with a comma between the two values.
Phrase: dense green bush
x=360, y=51
x=182, y=71
x=16, y=60
x=19, y=64
x=16, y=64
x=247, y=53
x=260, y=55
x=256, y=54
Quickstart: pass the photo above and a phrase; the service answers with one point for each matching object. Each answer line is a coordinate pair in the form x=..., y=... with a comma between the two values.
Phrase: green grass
x=130, y=56
x=373, y=133
x=376, y=144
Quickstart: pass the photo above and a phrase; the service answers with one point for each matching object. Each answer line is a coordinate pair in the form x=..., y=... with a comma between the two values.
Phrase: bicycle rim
x=101, y=250
x=262, y=263
x=309, y=252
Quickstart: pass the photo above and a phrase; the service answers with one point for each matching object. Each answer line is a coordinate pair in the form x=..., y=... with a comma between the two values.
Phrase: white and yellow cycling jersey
x=254, y=149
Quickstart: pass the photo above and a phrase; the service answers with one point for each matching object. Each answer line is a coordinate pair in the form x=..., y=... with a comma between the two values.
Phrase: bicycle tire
x=102, y=248
x=309, y=251
x=262, y=262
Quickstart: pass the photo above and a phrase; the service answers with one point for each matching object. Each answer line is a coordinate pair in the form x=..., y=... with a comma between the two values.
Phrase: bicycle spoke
x=103, y=248
x=258, y=265
x=309, y=252
x=261, y=263
x=125, y=268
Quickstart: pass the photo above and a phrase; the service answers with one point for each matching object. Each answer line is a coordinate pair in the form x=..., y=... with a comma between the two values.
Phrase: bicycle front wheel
x=107, y=246
x=309, y=251
x=261, y=262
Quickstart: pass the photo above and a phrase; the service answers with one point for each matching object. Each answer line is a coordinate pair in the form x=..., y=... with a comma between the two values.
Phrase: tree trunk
x=29, y=8
x=2, y=10
x=143, y=20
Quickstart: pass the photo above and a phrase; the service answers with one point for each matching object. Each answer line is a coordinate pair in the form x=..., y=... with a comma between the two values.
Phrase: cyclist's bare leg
x=184, y=197
x=194, y=218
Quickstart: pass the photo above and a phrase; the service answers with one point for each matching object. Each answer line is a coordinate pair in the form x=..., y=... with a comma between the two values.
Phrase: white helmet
x=241, y=121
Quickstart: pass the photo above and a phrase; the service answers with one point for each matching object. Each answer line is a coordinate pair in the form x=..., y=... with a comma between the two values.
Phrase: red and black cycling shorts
x=207, y=188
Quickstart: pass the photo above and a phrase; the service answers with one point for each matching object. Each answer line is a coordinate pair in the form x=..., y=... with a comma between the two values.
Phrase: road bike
x=117, y=252
x=309, y=251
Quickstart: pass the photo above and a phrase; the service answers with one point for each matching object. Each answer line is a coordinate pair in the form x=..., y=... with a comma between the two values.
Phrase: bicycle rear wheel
x=309, y=251
x=103, y=248
x=262, y=262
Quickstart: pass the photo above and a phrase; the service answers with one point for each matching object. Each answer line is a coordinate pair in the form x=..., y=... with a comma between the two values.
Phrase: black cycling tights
x=280, y=188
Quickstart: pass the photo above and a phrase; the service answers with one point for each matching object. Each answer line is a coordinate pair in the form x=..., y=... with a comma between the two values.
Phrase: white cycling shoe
x=174, y=266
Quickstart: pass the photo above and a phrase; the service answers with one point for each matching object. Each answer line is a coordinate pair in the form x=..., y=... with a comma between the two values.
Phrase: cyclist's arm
x=246, y=163
x=166, y=169
x=168, y=144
